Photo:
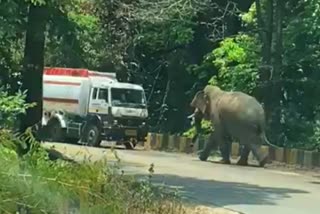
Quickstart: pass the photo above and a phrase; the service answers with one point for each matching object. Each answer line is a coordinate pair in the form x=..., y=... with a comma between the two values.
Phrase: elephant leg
x=225, y=149
x=211, y=144
x=244, y=154
x=204, y=154
x=262, y=158
x=195, y=138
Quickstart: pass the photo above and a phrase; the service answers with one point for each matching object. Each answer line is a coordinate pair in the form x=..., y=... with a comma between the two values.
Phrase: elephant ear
x=200, y=101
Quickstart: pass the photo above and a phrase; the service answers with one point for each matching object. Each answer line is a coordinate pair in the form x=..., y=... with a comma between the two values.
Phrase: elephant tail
x=262, y=133
x=265, y=139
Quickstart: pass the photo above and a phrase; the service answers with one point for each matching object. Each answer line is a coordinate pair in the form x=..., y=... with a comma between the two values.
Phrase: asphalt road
x=250, y=190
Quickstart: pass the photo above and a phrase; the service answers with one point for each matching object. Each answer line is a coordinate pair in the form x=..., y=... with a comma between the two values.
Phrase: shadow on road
x=315, y=182
x=211, y=192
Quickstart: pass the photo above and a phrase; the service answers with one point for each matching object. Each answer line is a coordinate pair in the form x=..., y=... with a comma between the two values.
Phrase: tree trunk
x=265, y=24
x=277, y=86
x=34, y=64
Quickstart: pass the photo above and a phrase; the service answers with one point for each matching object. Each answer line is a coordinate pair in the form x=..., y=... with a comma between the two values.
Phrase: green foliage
x=206, y=126
x=237, y=61
x=75, y=38
x=11, y=106
x=249, y=19
x=301, y=72
x=12, y=14
x=169, y=27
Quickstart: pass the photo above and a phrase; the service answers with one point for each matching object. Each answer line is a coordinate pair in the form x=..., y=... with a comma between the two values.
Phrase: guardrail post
x=293, y=157
x=316, y=159
x=286, y=155
x=279, y=152
x=158, y=141
x=153, y=141
x=265, y=150
x=300, y=160
x=307, y=161
x=147, y=144
x=164, y=142
x=182, y=144
x=172, y=142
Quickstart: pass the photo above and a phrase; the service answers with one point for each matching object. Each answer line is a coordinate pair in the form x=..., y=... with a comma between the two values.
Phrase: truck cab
x=122, y=111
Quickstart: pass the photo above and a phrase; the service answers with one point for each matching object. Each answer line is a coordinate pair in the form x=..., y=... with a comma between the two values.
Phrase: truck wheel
x=93, y=136
x=56, y=133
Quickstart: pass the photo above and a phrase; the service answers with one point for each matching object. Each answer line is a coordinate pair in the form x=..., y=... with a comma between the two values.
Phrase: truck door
x=94, y=104
x=103, y=99
x=99, y=101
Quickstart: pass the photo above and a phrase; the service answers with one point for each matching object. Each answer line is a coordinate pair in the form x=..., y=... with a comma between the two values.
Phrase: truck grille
x=130, y=121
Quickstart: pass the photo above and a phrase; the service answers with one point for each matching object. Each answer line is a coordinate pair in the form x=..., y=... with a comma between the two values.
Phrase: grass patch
x=37, y=185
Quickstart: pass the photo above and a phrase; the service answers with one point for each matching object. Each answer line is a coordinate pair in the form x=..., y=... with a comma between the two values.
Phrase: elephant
x=225, y=149
x=234, y=115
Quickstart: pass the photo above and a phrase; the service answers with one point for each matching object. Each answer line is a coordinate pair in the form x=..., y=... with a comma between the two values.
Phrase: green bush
x=10, y=107
x=205, y=126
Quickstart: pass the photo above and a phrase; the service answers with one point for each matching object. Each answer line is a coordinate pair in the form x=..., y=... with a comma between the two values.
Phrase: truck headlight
x=144, y=114
x=118, y=113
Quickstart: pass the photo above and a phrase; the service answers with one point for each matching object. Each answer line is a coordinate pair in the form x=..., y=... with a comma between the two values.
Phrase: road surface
x=249, y=190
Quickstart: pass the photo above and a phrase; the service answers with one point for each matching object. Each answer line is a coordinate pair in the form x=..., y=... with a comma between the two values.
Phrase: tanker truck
x=80, y=105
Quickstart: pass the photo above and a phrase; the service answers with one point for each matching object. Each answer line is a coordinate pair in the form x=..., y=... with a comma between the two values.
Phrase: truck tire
x=92, y=136
x=56, y=133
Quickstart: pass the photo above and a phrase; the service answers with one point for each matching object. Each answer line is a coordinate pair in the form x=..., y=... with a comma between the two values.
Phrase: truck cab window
x=103, y=94
x=127, y=97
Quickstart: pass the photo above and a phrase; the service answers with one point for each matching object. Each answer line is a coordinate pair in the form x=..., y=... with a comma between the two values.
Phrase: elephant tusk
x=191, y=116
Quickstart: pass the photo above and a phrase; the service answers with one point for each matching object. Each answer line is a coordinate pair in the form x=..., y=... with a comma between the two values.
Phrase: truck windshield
x=128, y=98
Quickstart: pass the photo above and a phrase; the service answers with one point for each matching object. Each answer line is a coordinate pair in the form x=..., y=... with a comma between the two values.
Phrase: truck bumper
x=124, y=133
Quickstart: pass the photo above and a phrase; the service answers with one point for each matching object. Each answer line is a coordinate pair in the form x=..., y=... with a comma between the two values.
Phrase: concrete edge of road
x=174, y=143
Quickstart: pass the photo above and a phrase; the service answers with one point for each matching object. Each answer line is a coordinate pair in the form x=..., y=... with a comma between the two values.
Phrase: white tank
x=68, y=89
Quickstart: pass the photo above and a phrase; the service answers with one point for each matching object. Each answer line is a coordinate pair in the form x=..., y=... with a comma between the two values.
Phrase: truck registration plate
x=130, y=132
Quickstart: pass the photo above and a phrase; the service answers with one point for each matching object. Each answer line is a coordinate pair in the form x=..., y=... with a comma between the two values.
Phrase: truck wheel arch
x=55, y=131
x=60, y=119
x=94, y=120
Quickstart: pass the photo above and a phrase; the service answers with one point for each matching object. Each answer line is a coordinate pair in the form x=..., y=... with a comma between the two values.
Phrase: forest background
x=267, y=48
